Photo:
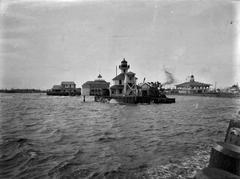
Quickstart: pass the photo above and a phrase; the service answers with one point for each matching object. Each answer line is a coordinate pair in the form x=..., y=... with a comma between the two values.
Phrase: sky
x=45, y=42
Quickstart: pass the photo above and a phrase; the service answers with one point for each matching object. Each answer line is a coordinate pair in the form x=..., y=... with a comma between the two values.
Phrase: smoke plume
x=169, y=77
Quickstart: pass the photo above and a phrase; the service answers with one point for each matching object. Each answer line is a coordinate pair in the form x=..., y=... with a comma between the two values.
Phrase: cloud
x=5, y=4
x=204, y=70
x=66, y=39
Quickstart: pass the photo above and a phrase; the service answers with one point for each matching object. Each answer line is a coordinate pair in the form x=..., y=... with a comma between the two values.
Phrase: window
x=120, y=91
x=130, y=78
x=120, y=82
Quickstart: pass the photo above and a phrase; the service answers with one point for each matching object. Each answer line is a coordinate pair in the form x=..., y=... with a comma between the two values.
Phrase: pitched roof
x=96, y=84
x=144, y=86
x=87, y=83
x=193, y=84
x=117, y=87
x=121, y=76
x=68, y=83
x=57, y=87
x=141, y=84
x=130, y=73
x=100, y=80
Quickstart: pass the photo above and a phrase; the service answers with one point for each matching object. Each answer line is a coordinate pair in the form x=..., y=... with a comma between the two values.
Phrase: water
x=62, y=137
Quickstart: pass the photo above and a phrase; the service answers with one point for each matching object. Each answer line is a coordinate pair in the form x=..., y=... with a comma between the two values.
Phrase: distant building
x=192, y=87
x=125, y=82
x=144, y=89
x=97, y=87
x=66, y=88
x=151, y=89
x=234, y=89
x=57, y=88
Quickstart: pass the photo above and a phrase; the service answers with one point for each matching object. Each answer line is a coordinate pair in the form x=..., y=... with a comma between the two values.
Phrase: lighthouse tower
x=125, y=82
x=124, y=69
x=124, y=66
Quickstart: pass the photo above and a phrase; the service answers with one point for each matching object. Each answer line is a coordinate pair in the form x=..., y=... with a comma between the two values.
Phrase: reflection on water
x=53, y=137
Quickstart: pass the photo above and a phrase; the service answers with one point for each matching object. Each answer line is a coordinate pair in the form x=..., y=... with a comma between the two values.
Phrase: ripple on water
x=60, y=137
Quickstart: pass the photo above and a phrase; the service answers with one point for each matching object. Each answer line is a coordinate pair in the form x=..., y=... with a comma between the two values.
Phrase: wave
x=66, y=138
x=106, y=139
x=121, y=172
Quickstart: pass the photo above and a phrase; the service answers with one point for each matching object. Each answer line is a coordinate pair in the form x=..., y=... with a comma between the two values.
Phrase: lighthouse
x=124, y=66
x=125, y=82
x=124, y=69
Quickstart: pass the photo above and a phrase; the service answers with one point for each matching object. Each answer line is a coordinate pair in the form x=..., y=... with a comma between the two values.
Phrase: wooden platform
x=136, y=99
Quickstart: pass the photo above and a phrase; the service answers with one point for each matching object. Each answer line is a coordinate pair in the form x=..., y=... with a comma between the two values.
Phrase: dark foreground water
x=62, y=137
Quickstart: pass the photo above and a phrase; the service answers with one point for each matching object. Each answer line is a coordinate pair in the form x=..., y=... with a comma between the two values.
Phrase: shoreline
x=217, y=95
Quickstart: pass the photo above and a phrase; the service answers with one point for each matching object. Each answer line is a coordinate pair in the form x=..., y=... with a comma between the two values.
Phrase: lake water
x=62, y=137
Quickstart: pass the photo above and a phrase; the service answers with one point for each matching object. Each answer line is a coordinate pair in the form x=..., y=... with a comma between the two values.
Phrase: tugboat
x=125, y=89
